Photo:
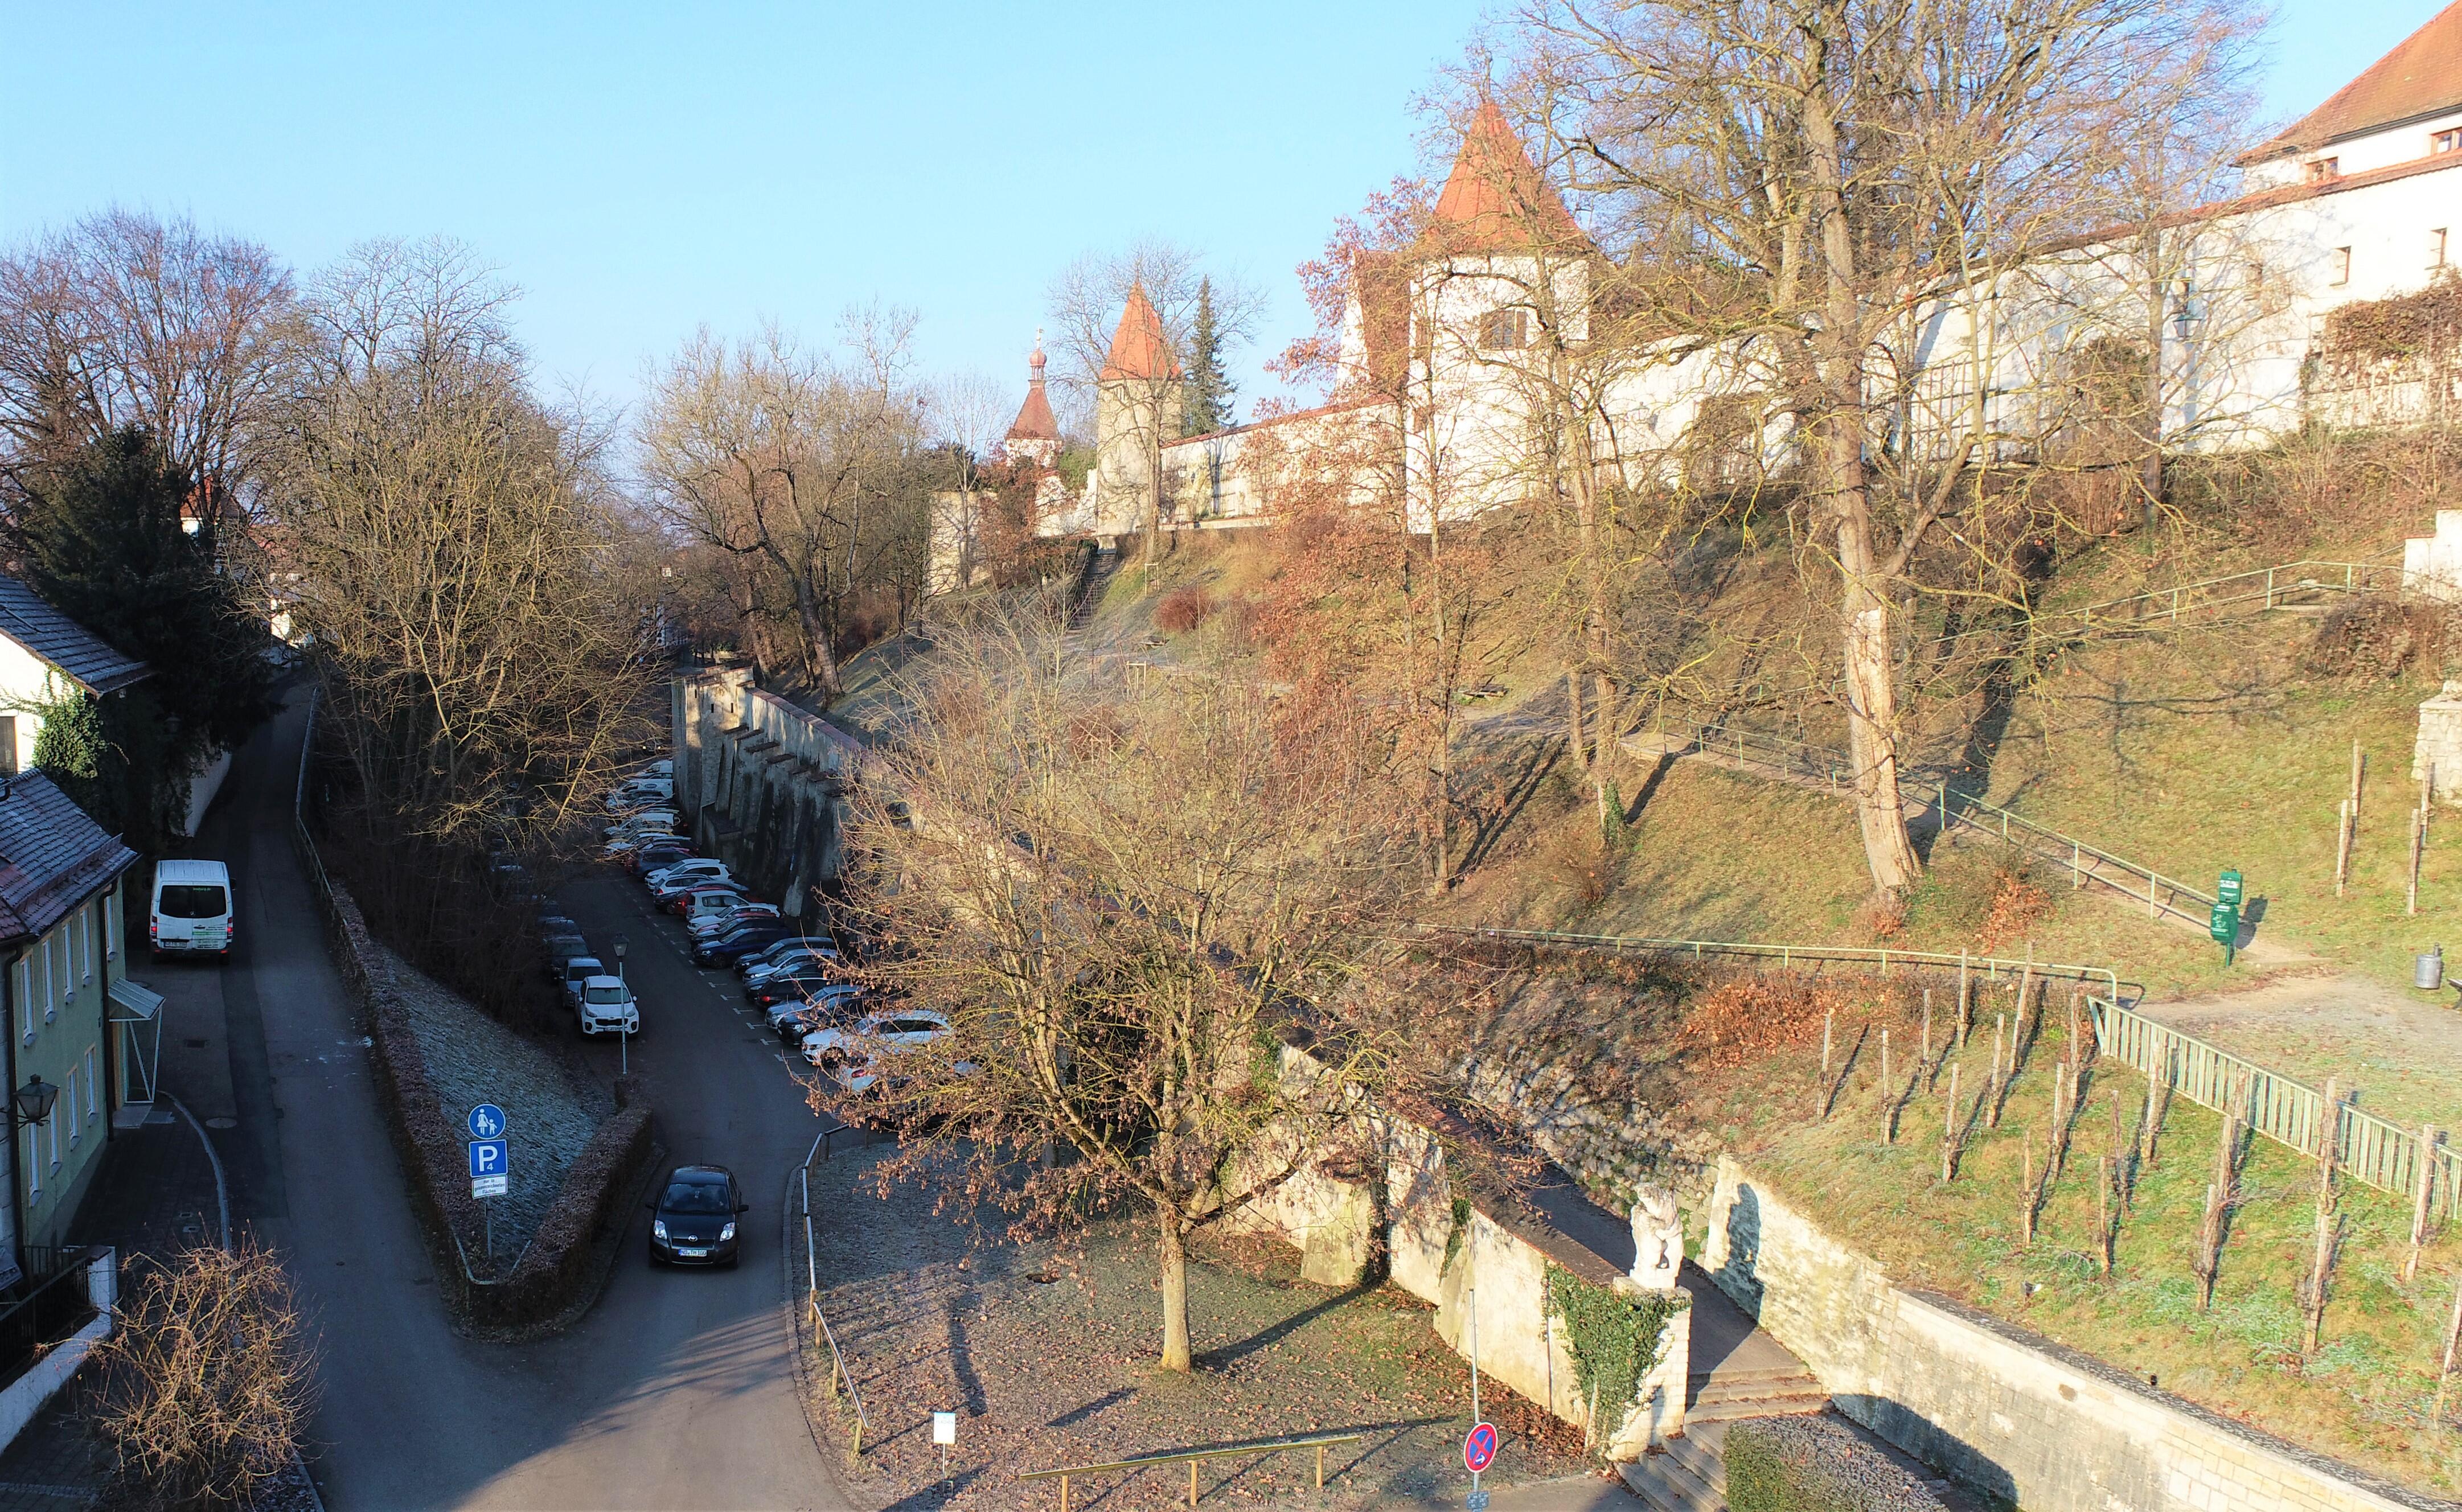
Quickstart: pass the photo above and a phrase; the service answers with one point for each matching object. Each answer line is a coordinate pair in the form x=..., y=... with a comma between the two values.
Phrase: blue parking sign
x=491, y=1167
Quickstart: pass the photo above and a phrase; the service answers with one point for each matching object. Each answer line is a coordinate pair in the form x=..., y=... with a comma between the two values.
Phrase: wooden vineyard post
x=2102, y=1229
x=2342, y=824
x=2026, y=1188
x=1965, y=1001
x=1828, y=1023
x=1927, y=1029
x=2359, y=769
x=1949, y=1131
x=1998, y=1087
x=2418, y=831
x=2426, y=1165
x=2452, y=1344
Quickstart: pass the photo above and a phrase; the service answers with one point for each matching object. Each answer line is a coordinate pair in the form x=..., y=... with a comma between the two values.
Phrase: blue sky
x=641, y=169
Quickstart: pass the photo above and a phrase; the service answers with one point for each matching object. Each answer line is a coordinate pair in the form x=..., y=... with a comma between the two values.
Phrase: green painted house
x=81, y=1037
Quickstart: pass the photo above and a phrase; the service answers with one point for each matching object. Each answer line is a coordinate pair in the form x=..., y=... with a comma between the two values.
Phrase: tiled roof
x=51, y=856
x=1495, y=199
x=2421, y=77
x=56, y=638
x=1035, y=421
x=1139, y=350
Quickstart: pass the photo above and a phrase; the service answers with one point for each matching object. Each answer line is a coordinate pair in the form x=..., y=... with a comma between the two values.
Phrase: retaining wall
x=1500, y=1246
x=760, y=781
x=2003, y=1410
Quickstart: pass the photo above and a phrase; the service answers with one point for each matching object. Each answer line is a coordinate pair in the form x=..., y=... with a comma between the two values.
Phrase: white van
x=192, y=909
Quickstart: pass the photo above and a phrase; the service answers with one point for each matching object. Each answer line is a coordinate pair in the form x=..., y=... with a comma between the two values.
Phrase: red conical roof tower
x=1495, y=199
x=1034, y=418
x=1139, y=349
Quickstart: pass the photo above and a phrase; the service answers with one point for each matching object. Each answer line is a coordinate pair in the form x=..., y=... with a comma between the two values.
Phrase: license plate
x=690, y=1253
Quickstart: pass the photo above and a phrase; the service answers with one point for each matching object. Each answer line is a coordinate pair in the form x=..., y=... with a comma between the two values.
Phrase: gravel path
x=1047, y=1355
x=472, y=1060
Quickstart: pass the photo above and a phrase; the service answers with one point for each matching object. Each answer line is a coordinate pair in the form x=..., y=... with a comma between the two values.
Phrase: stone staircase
x=1739, y=1372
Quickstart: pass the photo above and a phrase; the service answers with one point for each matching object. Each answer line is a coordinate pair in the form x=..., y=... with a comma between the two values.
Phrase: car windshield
x=614, y=994
x=193, y=900
x=696, y=1196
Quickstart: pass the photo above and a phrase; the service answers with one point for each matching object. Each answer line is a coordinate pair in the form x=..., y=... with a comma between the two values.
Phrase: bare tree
x=126, y=319
x=207, y=1380
x=1800, y=175
x=1124, y=900
x=798, y=468
x=471, y=586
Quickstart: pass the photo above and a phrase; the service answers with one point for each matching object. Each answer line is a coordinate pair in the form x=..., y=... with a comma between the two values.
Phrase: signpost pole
x=623, y=1037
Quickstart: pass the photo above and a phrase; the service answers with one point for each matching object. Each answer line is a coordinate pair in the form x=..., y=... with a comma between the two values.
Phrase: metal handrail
x=1320, y=1442
x=1786, y=955
x=1804, y=758
x=838, y=1371
x=2263, y=584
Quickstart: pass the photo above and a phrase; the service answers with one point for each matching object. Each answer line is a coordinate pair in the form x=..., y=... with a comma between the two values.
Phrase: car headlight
x=727, y=1234
x=658, y=1229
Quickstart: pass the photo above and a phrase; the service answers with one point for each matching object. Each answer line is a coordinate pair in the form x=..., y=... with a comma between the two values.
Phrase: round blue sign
x=1478, y=1450
x=487, y=1122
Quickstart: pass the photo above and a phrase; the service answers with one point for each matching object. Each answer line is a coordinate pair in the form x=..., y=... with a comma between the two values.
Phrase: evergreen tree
x=100, y=537
x=1209, y=387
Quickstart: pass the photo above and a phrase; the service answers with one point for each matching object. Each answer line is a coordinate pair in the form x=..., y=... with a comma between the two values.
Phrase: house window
x=69, y=1107
x=92, y=1098
x=2446, y=142
x=85, y=927
x=51, y=979
x=7, y=745
x=2323, y=170
x=1504, y=329
x=2436, y=248
x=26, y=997
x=53, y=1125
x=112, y=922
x=2342, y=267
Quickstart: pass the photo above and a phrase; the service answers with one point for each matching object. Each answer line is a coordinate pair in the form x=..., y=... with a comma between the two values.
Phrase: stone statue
x=1658, y=1238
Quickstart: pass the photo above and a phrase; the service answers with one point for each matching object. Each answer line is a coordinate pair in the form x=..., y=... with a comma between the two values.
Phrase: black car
x=693, y=1220
x=650, y=857
x=742, y=940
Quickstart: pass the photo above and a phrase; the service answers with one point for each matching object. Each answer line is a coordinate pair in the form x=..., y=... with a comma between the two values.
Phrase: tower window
x=2436, y=248
x=1504, y=329
x=2446, y=142
x=2342, y=267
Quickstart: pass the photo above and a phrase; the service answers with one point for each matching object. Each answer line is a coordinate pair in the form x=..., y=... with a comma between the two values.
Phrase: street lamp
x=623, y=1038
x=32, y=1103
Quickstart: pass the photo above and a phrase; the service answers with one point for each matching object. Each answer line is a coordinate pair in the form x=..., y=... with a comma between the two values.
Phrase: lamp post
x=624, y=1039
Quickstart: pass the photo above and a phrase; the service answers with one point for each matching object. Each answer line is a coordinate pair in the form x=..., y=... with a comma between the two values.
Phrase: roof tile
x=56, y=638
x=51, y=856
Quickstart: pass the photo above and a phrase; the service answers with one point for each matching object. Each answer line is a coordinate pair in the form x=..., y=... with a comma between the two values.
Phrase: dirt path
x=2400, y=1051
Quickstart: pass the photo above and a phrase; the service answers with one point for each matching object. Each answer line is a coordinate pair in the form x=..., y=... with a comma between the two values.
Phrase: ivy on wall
x=2426, y=326
x=1616, y=1340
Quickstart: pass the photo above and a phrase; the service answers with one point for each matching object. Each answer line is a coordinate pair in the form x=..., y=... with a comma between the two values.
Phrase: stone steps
x=1665, y=1484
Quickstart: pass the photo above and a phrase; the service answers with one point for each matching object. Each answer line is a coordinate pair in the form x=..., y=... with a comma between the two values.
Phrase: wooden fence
x=2371, y=1150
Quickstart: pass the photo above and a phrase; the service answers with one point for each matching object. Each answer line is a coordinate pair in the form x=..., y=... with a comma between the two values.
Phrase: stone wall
x=1496, y=1244
x=760, y=781
x=2007, y=1412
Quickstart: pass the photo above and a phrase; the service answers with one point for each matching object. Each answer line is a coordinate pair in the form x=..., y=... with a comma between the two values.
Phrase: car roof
x=609, y=979
x=701, y=1173
x=580, y=960
x=191, y=871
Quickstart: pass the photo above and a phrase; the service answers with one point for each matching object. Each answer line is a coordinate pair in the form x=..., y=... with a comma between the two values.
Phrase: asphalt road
x=676, y=1391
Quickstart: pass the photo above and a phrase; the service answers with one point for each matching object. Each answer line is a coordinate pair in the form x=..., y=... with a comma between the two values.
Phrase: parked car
x=697, y=904
x=606, y=1007
x=794, y=988
x=647, y=822
x=640, y=794
x=693, y=1219
x=698, y=872
x=855, y=1059
x=827, y=1004
x=716, y=924
x=561, y=948
x=665, y=768
x=659, y=851
x=793, y=953
x=735, y=944
x=576, y=971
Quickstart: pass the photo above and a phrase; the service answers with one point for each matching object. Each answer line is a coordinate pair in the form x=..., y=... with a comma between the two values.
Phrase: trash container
x=2427, y=971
